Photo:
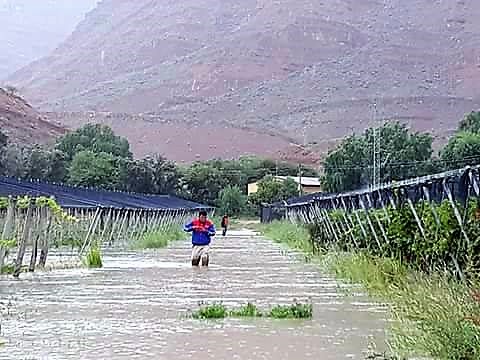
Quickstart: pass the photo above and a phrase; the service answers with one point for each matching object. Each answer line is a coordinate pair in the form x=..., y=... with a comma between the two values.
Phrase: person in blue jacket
x=202, y=230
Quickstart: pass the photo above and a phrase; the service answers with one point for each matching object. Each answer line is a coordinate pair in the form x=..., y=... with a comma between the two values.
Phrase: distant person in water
x=202, y=230
x=224, y=224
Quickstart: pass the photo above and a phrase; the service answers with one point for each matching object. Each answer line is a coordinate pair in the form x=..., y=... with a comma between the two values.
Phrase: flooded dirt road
x=135, y=307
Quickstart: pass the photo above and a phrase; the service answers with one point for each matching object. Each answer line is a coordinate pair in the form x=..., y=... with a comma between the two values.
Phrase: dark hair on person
x=202, y=213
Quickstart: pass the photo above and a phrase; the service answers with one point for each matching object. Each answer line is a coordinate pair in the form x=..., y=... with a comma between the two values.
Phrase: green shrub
x=214, y=311
x=294, y=311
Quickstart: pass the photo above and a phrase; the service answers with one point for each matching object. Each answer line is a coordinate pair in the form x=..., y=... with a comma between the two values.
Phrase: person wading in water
x=224, y=224
x=202, y=230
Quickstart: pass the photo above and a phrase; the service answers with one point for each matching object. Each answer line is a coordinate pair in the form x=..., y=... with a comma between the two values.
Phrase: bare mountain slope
x=310, y=69
x=23, y=124
x=31, y=29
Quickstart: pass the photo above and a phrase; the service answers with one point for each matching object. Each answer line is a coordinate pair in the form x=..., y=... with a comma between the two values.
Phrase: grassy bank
x=434, y=315
x=159, y=239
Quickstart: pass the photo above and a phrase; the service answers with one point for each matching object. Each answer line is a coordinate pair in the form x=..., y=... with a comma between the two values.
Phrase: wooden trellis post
x=45, y=238
x=7, y=230
x=27, y=230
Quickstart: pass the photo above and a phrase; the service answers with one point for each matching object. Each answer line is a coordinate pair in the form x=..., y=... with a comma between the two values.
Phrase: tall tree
x=95, y=138
x=471, y=122
x=403, y=154
x=203, y=182
x=232, y=201
x=463, y=149
x=94, y=169
x=271, y=190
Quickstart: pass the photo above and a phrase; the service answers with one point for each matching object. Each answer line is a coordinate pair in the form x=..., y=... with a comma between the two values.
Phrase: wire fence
x=431, y=221
x=36, y=216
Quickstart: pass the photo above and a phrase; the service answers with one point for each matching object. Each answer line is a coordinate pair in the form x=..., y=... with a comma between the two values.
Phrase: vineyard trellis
x=31, y=222
x=431, y=221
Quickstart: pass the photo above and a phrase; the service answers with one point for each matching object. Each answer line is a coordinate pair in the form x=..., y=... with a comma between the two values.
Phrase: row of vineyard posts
x=35, y=225
x=431, y=222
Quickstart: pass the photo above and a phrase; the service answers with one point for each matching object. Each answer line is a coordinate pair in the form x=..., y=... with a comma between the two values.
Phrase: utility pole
x=376, y=149
x=300, y=188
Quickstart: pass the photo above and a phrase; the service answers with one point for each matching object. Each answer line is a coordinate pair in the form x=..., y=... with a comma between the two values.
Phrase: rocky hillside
x=23, y=124
x=184, y=142
x=308, y=69
x=32, y=29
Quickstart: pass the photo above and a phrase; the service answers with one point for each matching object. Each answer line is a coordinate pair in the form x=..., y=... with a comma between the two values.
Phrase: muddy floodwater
x=135, y=307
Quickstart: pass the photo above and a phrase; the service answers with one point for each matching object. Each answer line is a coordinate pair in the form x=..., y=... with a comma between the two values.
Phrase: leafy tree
x=167, y=176
x=403, y=155
x=138, y=176
x=45, y=164
x=344, y=167
x=155, y=175
x=203, y=182
x=13, y=161
x=232, y=201
x=95, y=138
x=463, y=149
x=471, y=122
x=271, y=190
x=94, y=169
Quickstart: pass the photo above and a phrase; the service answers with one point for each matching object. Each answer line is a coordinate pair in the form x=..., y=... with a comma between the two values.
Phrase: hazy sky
x=33, y=28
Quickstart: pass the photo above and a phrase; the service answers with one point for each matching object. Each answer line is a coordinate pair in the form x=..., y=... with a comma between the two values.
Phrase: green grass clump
x=296, y=237
x=377, y=275
x=249, y=310
x=436, y=316
x=159, y=239
x=219, y=311
x=7, y=269
x=213, y=311
x=294, y=311
x=94, y=258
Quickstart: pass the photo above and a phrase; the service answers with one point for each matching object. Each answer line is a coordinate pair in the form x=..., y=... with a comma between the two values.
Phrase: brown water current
x=135, y=307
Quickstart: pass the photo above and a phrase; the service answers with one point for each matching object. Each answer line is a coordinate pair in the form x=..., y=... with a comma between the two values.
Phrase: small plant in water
x=219, y=311
x=214, y=311
x=249, y=310
x=294, y=311
x=94, y=258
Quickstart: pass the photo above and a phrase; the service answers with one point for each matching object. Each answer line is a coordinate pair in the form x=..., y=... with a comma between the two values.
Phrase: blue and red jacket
x=201, y=232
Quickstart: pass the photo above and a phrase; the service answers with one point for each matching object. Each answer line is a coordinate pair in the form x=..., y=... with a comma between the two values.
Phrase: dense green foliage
x=403, y=155
x=442, y=248
x=232, y=201
x=95, y=138
x=271, y=190
x=90, y=169
x=462, y=149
